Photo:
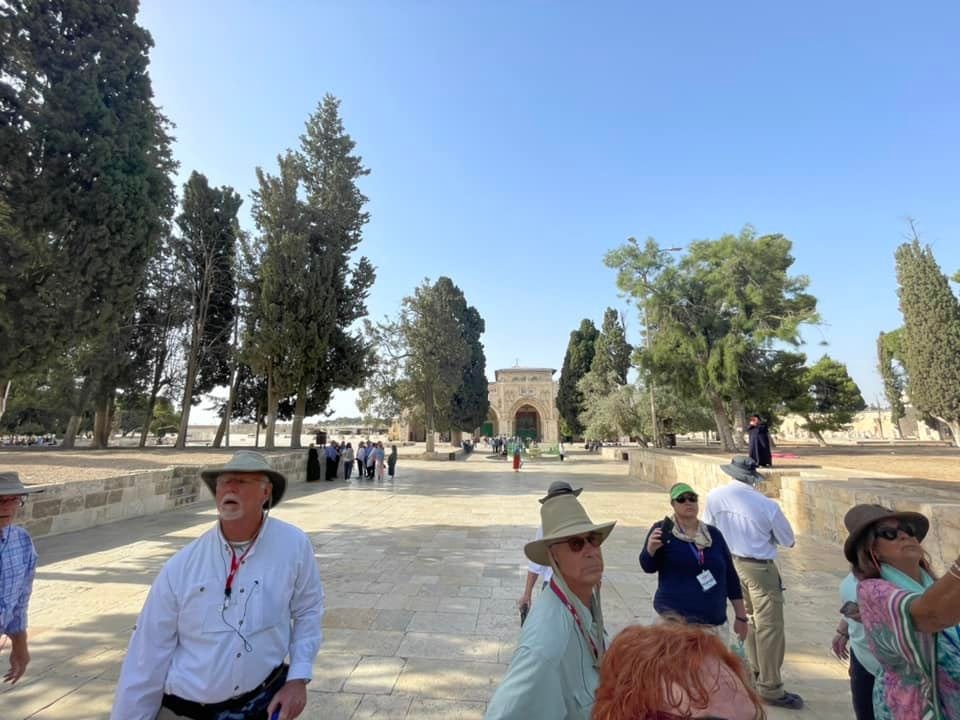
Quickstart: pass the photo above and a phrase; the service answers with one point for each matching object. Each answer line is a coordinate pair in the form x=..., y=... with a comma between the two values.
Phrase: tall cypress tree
x=611, y=358
x=206, y=255
x=84, y=168
x=576, y=364
x=931, y=335
x=889, y=364
x=471, y=401
x=333, y=354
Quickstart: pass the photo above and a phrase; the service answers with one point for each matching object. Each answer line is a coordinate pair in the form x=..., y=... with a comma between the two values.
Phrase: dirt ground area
x=48, y=465
x=39, y=465
x=939, y=464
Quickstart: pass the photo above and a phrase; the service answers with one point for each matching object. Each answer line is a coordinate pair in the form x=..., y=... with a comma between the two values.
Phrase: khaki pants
x=765, y=643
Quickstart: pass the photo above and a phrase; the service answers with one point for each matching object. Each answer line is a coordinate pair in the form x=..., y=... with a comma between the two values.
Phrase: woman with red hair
x=673, y=671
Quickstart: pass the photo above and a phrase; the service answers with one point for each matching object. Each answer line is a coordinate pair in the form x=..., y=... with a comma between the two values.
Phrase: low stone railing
x=816, y=499
x=68, y=506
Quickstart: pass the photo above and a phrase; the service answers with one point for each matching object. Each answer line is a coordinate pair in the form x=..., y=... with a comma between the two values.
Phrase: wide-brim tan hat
x=562, y=516
x=861, y=518
x=10, y=484
x=247, y=461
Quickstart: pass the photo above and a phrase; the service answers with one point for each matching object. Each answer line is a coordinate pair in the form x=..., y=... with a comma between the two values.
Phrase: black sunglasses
x=890, y=533
x=576, y=544
x=687, y=497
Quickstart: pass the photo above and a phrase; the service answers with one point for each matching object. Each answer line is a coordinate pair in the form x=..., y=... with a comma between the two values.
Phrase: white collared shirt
x=544, y=571
x=188, y=643
x=752, y=524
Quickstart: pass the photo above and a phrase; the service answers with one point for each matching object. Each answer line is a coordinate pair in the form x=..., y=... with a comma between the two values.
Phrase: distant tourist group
x=371, y=460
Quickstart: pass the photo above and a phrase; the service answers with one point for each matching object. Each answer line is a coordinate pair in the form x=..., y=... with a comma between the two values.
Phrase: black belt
x=210, y=711
x=752, y=560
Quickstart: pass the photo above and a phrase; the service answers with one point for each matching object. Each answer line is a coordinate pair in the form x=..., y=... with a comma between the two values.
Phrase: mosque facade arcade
x=523, y=404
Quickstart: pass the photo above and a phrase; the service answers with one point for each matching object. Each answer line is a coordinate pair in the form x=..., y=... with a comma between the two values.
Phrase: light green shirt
x=553, y=675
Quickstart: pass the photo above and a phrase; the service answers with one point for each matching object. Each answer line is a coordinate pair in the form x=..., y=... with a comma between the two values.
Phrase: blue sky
x=513, y=143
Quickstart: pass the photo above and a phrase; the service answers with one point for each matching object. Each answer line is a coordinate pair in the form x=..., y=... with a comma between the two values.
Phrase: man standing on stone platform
x=18, y=564
x=226, y=611
x=759, y=442
x=554, y=673
x=753, y=526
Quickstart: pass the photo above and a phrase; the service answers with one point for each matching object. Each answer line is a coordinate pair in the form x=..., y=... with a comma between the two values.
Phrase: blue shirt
x=18, y=564
x=678, y=590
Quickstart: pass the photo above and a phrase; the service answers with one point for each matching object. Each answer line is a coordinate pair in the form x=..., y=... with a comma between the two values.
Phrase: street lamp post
x=653, y=402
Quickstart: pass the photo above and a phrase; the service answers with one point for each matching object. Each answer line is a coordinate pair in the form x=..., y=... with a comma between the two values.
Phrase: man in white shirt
x=753, y=526
x=226, y=611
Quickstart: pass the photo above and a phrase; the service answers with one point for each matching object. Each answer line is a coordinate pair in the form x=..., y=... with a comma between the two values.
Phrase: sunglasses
x=9, y=499
x=891, y=533
x=576, y=544
x=687, y=497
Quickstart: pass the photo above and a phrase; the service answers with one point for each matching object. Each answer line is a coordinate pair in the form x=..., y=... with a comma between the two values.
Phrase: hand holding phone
x=666, y=530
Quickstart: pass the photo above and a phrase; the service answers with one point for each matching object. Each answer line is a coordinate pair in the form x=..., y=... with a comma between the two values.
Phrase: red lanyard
x=576, y=618
x=234, y=567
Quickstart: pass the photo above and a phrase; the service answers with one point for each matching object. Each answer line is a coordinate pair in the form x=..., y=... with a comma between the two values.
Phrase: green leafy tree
x=771, y=382
x=205, y=251
x=423, y=356
x=576, y=363
x=931, y=335
x=706, y=313
x=625, y=411
x=832, y=399
x=84, y=169
x=890, y=367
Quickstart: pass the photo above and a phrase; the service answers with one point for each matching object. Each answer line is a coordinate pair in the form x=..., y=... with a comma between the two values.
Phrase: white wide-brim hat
x=247, y=461
x=563, y=517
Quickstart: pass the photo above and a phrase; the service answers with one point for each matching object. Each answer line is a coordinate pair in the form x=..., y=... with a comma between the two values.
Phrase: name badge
x=706, y=580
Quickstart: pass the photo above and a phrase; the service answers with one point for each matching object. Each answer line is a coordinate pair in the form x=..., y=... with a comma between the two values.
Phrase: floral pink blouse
x=908, y=658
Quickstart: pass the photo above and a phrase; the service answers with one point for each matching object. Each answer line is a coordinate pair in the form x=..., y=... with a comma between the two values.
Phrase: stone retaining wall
x=816, y=499
x=69, y=506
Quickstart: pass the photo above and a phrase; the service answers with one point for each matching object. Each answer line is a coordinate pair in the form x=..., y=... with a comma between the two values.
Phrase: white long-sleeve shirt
x=752, y=524
x=188, y=643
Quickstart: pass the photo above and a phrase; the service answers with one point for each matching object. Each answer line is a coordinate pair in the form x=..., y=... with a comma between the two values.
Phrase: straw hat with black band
x=248, y=461
x=860, y=518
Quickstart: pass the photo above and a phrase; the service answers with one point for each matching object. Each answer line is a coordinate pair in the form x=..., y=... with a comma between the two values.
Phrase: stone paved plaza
x=421, y=578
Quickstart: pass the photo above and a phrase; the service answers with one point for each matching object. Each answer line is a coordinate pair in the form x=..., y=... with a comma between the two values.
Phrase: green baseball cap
x=681, y=489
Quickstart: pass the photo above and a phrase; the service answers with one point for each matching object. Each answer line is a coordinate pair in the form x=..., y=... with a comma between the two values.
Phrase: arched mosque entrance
x=527, y=423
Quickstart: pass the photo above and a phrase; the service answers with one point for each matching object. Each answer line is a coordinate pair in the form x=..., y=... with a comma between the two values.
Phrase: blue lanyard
x=697, y=552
